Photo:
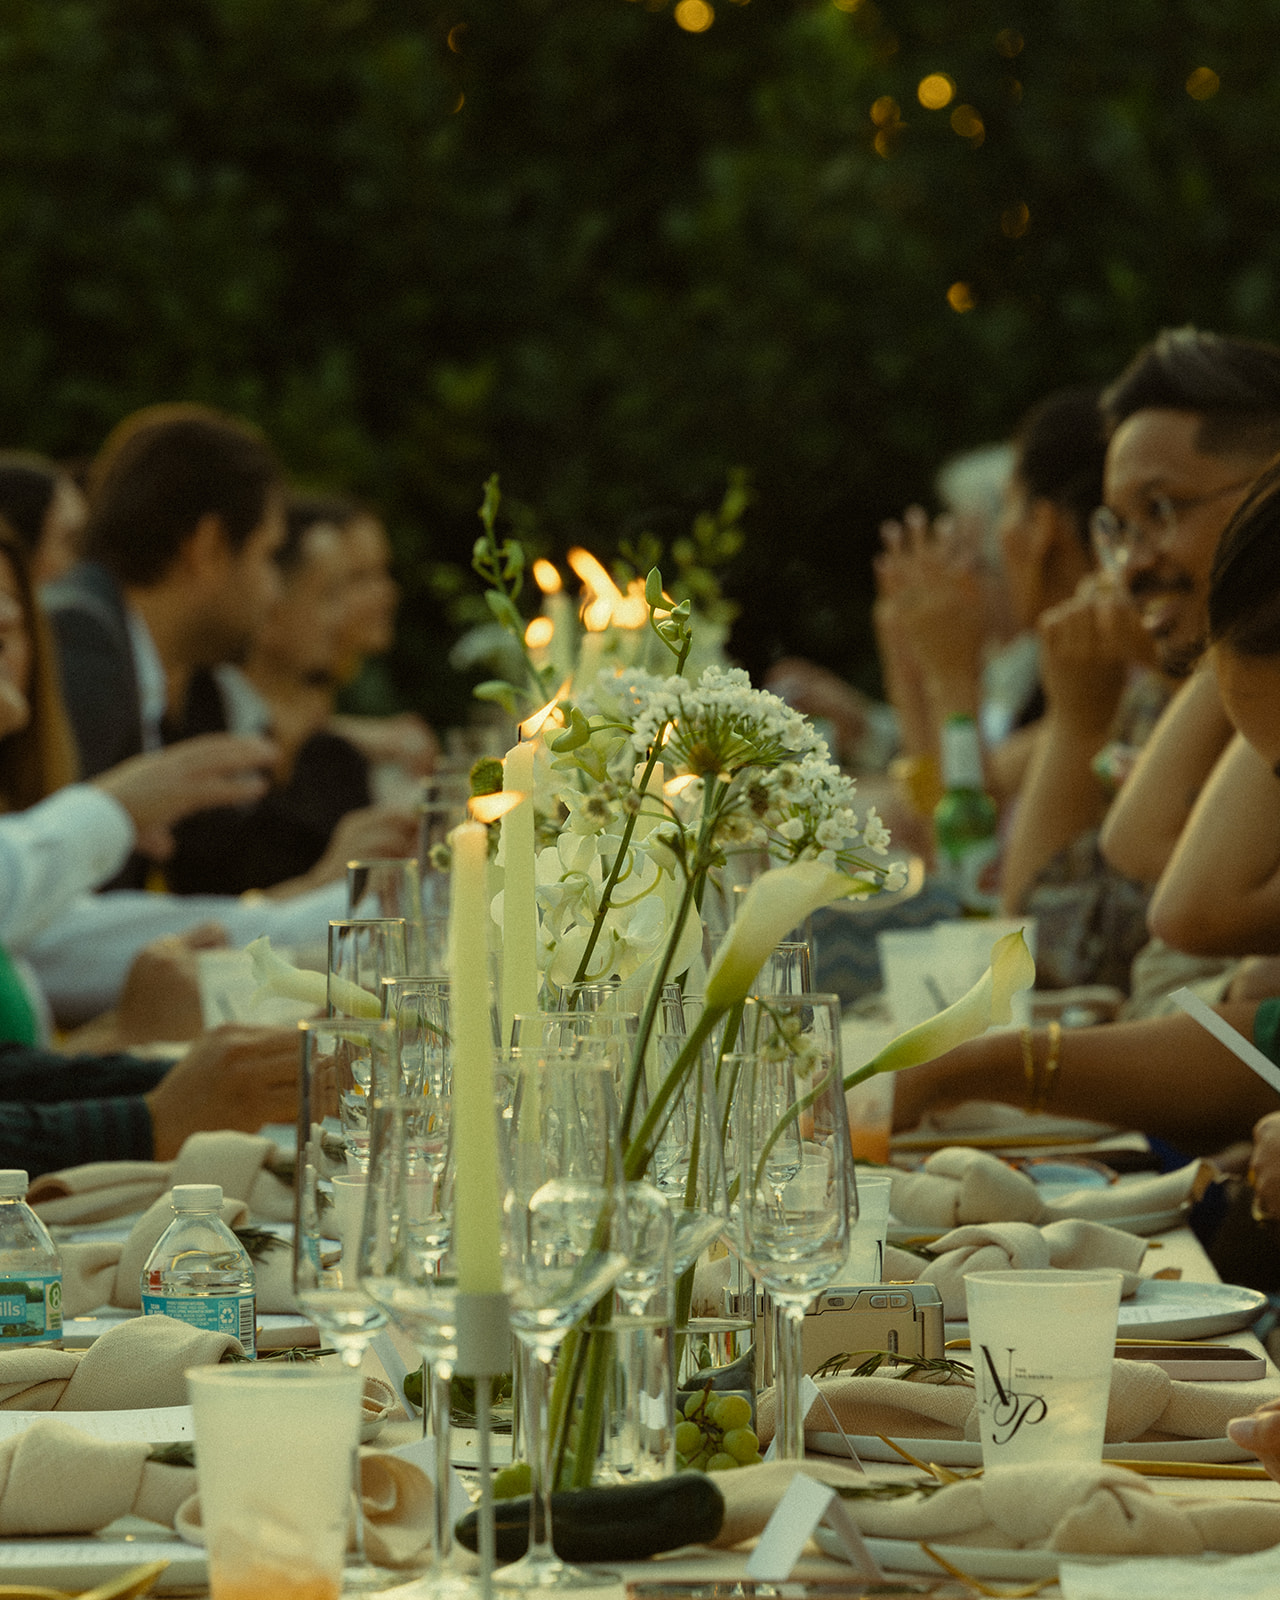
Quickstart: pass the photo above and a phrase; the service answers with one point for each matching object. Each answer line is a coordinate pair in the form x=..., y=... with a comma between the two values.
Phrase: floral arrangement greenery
x=647, y=783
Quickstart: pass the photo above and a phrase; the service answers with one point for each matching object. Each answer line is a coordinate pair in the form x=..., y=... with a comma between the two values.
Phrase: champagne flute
x=797, y=1193
x=565, y=1246
x=347, y=1066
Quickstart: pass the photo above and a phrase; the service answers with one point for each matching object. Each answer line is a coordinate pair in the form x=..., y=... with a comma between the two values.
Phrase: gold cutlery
x=126, y=1586
x=1006, y=1591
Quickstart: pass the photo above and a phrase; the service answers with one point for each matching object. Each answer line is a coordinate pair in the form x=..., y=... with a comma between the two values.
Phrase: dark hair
x=303, y=512
x=40, y=757
x=1233, y=384
x=160, y=471
x=1061, y=448
x=1244, y=582
x=27, y=486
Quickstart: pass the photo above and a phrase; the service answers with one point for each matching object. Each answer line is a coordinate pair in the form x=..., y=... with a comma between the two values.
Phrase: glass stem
x=537, y=1432
x=441, y=1377
x=352, y=1356
x=788, y=1412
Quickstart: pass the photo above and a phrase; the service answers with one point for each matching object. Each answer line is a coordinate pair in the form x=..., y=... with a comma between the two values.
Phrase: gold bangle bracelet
x=1029, y=1066
x=1052, y=1063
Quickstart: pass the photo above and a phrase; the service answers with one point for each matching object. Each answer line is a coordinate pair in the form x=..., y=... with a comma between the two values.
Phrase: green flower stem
x=640, y=1150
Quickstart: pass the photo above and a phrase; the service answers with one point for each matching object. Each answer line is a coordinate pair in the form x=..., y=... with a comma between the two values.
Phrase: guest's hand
x=1260, y=1432
x=1264, y=1167
x=237, y=1076
x=368, y=834
x=1087, y=646
x=404, y=740
x=163, y=786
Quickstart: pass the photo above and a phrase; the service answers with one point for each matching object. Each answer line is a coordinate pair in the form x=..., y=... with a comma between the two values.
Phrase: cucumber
x=626, y=1522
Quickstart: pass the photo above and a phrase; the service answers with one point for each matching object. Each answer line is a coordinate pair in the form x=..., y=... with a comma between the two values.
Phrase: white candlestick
x=519, y=903
x=589, y=657
x=559, y=608
x=477, y=1217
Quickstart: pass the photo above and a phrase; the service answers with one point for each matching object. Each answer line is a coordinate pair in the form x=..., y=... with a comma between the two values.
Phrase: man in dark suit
x=187, y=509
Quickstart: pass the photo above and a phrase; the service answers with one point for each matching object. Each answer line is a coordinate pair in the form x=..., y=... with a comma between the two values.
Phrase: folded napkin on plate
x=1083, y=1509
x=1146, y=1405
x=135, y=1366
x=55, y=1480
x=1002, y=1246
x=396, y=1499
x=958, y=1185
x=108, y=1274
x=995, y=1117
x=106, y=1189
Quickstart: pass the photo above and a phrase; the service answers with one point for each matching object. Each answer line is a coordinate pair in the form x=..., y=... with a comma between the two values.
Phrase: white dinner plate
x=78, y=1563
x=1166, y=1308
x=904, y=1555
x=968, y=1452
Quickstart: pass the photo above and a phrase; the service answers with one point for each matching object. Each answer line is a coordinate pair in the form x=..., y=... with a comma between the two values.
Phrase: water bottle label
x=216, y=1313
x=30, y=1309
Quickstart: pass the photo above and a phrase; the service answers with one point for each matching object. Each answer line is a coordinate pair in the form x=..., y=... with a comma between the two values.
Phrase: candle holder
x=484, y=1350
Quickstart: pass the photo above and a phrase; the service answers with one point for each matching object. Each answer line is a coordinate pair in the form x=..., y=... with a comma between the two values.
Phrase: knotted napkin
x=138, y=1365
x=1146, y=1405
x=957, y=1185
x=55, y=1480
x=237, y=1162
x=1006, y=1246
x=976, y=1117
x=396, y=1498
x=108, y=1274
x=1082, y=1509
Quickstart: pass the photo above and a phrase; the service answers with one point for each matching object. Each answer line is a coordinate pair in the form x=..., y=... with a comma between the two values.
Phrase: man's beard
x=1179, y=660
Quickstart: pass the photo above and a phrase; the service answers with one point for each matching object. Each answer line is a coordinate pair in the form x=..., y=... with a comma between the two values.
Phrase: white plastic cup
x=1043, y=1347
x=865, y=1261
x=350, y=1190
x=274, y=1452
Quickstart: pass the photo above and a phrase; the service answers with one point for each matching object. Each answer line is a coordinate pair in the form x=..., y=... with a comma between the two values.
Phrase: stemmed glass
x=797, y=1194
x=362, y=952
x=406, y=1266
x=565, y=1245
x=347, y=1066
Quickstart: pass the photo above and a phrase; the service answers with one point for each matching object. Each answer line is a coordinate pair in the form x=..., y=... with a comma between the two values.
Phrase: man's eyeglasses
x=1116, y=543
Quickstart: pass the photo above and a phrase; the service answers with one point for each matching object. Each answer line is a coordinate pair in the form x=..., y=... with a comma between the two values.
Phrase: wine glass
x=688, y=1163
x=797, y=1193
x=565, y=1245
x=347, y=1067
x=406, y=1267
x=362, y=952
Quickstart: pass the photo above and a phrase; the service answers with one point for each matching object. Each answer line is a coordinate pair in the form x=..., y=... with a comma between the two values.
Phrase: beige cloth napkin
x=106, y=1189
x=396, y=1497
x=56, y=1480
x=957, y=1185
x=1146, y=1405
x=1083, y=1509
x=138, y=1365
x=1005, y=1246
x=108, y=1274
x=995, y=1116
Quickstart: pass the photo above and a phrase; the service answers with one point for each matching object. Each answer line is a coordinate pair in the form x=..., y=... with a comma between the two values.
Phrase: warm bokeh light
x=677, y=786
x=1015, y=220
x=454, y=37
x=459, y=103
x=632, y=610
x=847, y=5
x=489, y=807
x=960, y=297
x=968, y=124
x=540, y=632
x=885, y=111
x=603, y=593
x=547, y=576
x=935, y=91
x=1203, y=83
x=533, y=724
x=694, y=16
x=1009, y=43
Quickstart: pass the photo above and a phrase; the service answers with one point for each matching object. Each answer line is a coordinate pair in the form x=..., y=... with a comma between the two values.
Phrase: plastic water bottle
x=30, y=1270
x=199, y=1272
x=965, y=823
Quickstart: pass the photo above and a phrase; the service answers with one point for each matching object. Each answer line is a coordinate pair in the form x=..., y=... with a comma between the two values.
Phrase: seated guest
x=317, y=815
x=45, y=508
x=60, y=1111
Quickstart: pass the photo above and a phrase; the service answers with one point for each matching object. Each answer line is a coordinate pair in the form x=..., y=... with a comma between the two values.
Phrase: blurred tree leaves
x=567, y=240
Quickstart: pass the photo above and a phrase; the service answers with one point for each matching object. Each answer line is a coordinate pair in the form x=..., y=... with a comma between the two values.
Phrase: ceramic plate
x=80, y=1563
x=968, y=1452
x=901, y=1555
x=1168, y=1309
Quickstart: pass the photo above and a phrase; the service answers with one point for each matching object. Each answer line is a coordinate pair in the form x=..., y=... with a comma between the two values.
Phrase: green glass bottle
x=965, y=830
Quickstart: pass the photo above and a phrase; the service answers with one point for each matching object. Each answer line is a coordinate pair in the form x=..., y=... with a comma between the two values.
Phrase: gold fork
x=942, y=1474
x=125, y=1586
x=1006, y=1591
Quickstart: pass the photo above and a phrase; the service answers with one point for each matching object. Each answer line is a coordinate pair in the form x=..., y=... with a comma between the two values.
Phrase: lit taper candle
x=519, y=902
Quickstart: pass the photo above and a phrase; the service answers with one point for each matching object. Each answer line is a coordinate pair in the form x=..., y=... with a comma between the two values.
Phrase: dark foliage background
x=611, y=258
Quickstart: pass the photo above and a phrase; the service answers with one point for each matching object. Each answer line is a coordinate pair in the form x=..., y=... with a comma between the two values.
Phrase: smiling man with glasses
x=1192, y=420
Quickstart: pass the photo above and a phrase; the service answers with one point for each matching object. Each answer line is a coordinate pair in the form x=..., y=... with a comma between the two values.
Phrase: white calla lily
x=276, y=978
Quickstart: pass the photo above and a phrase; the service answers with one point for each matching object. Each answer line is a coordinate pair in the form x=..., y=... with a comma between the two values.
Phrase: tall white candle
x=559, y=608
x=519, y=904
x=477, y=1218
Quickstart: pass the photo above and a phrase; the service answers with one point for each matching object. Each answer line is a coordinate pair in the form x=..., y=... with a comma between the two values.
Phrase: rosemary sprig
x=258, y=1241
x=292, y=1352
x=182, y=1453
x=937, y=1367
x=882, y=1489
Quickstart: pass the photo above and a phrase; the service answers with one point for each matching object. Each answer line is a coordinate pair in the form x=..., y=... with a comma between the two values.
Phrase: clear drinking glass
x=391, y=886
x=797, y=1192
x=565, y=1245
x=362, y=952
x=348, y=1066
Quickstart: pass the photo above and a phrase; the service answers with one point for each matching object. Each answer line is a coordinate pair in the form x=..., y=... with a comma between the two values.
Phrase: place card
x=422, y=1453
x=809, y=1395
x=794, y=1521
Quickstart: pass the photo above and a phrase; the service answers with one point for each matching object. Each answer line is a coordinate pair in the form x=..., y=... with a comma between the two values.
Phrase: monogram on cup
x=1014, y=1409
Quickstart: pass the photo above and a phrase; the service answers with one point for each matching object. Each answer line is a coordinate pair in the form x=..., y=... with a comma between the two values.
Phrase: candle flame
x=489, y=807
x=602, y=593
x=533, y=724
x=539, y=633
x=677, y=786
x=547, y=576
x=631, y=610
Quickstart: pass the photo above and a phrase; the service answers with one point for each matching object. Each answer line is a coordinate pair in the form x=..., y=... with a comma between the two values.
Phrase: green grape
x=699, y=1462
x=512, y=1481
x=721, y=1463
x=741, y=1444
x=694, y=1405
x=688, y=1438
x=756, y=1460
x=413, y=1388
x=734, y=1411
